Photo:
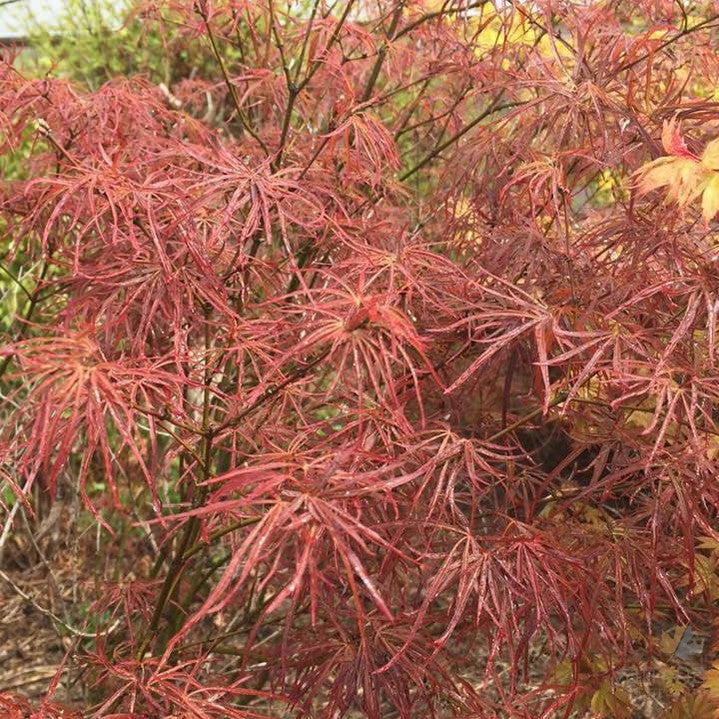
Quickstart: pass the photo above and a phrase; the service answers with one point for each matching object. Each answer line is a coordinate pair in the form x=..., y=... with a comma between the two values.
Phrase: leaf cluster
x=378, y=403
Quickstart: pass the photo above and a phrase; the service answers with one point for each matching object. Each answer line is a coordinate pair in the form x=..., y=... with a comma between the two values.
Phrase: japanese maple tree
x=373, y=353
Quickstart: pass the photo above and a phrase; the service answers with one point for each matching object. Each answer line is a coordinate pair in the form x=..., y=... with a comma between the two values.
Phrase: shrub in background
x=383, y=390
x=92, y=41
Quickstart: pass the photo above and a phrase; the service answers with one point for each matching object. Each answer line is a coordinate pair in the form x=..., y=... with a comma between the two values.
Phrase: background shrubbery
x=351, y=369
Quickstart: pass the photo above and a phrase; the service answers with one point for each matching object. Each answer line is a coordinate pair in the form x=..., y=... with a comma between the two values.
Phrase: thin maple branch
x=298, y=373
x=228, y=81
x=51, y=615
x=411, y=109
x=675, y=38
x=382, y=52
x=16, y=280
x=233, y=527
x=192, y=527
x=165, y=417
x=545, y=30
x=558, y=399
x=33, y=303
x=295, y=87
x=305, y=40
x=437, y=14
x=493, y=107
x=293, y=91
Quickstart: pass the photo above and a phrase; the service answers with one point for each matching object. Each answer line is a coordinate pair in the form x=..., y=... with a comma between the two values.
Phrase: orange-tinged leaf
x=710, y=199
x=697, y=706
x=710, y=156
x=711, y=681
x=656, y=174
x=684, y=177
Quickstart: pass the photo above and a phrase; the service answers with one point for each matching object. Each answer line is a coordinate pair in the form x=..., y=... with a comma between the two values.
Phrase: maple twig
x=382, y=52
x=51, y=615
x=228, y=82
x=670, y=41
x=34, y=301
x=271, y=391
x=493, y=107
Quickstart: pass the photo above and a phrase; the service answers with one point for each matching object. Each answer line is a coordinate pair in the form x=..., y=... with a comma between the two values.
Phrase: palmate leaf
x=351, y=664
x=310, y=517
x=372, y=343
x=14, y=706
x=684, y=174
x=175, y=692
x=684, y=178
x=75, y=394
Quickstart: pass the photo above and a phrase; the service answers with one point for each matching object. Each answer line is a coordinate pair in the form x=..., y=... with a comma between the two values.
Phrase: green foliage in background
x=96, y=40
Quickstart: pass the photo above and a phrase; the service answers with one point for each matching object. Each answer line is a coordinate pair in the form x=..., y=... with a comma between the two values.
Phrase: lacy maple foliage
x=382, y=391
